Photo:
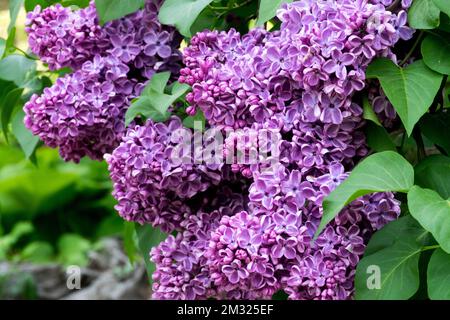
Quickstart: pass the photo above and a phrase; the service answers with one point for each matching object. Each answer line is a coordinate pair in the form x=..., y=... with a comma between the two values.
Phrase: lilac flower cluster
x=182, y=271
x=313, y=64
x=291, y=93
x=83, y=113
x=62, y=37
x=154, y=171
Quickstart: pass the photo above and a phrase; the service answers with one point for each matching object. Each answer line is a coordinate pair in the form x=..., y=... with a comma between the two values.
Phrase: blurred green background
x=51, y=212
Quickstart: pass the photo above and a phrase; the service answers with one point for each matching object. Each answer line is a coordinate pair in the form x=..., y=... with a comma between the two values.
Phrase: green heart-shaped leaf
x=423, y=14
x=436, y=52
x=443, y=5
x=433, y=173
x=410, y=90
x=153, y=102
x=432, y=212
x=148, y=108
x=438, y=276
x=27, y=141
x=14, y=9
x=182, y=13
x=436, y=127
x=268, y=9
x=396, y=266
x=16, y=68
x=404, y=227
x=108, y=10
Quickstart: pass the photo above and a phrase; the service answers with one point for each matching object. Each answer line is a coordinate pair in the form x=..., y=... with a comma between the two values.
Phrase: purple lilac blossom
x=149, y=184
x=62, y=37
x=237, y=81
x=83, y=113
x=297, y=83
x=381, y=106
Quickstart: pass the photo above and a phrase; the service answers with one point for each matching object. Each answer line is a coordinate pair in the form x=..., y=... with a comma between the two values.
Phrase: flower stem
x=426, y=248
x=413, y=48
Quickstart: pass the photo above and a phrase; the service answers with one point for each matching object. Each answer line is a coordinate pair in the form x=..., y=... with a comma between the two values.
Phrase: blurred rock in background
x=108, y=275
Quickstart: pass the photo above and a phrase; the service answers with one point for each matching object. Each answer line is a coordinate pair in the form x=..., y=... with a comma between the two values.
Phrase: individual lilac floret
x=62, y=37
x=152, y=166
x=393, y=5
x=83, y=113
x=382, y=107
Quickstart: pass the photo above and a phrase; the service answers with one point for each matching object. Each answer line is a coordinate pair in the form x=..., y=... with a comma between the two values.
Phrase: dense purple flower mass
x=291, y=92
x=313, y=64
x=150, y=182
x=83, y=113
x=65, y=38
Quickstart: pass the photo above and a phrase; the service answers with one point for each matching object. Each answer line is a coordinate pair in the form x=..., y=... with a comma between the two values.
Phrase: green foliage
x=432, y=212
x=16, y=68
x=442, y=5
x=14, y=8
x=368, y=112
x=17, y=285
x=411, y=90
x=73, y=250
x=7, y=241
x=404, y=227
x=154, y=102
x=399, y=270
x=56, y=199
x=6, y=108
x=27, y=141
x=395, y=250
x=268, y=8
x=182, y=13
x=436, y=52
x=436, y=127
x=9, y=43
x=439, y=276
x=2, y=46
x=148, y=237
x=129, y=241
x=423, y=14
x=114, y=9
x=37, y=252
x=434, y=173
x=378, y=138
x=371, y=175
x=196, y=121
x=31, y=4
